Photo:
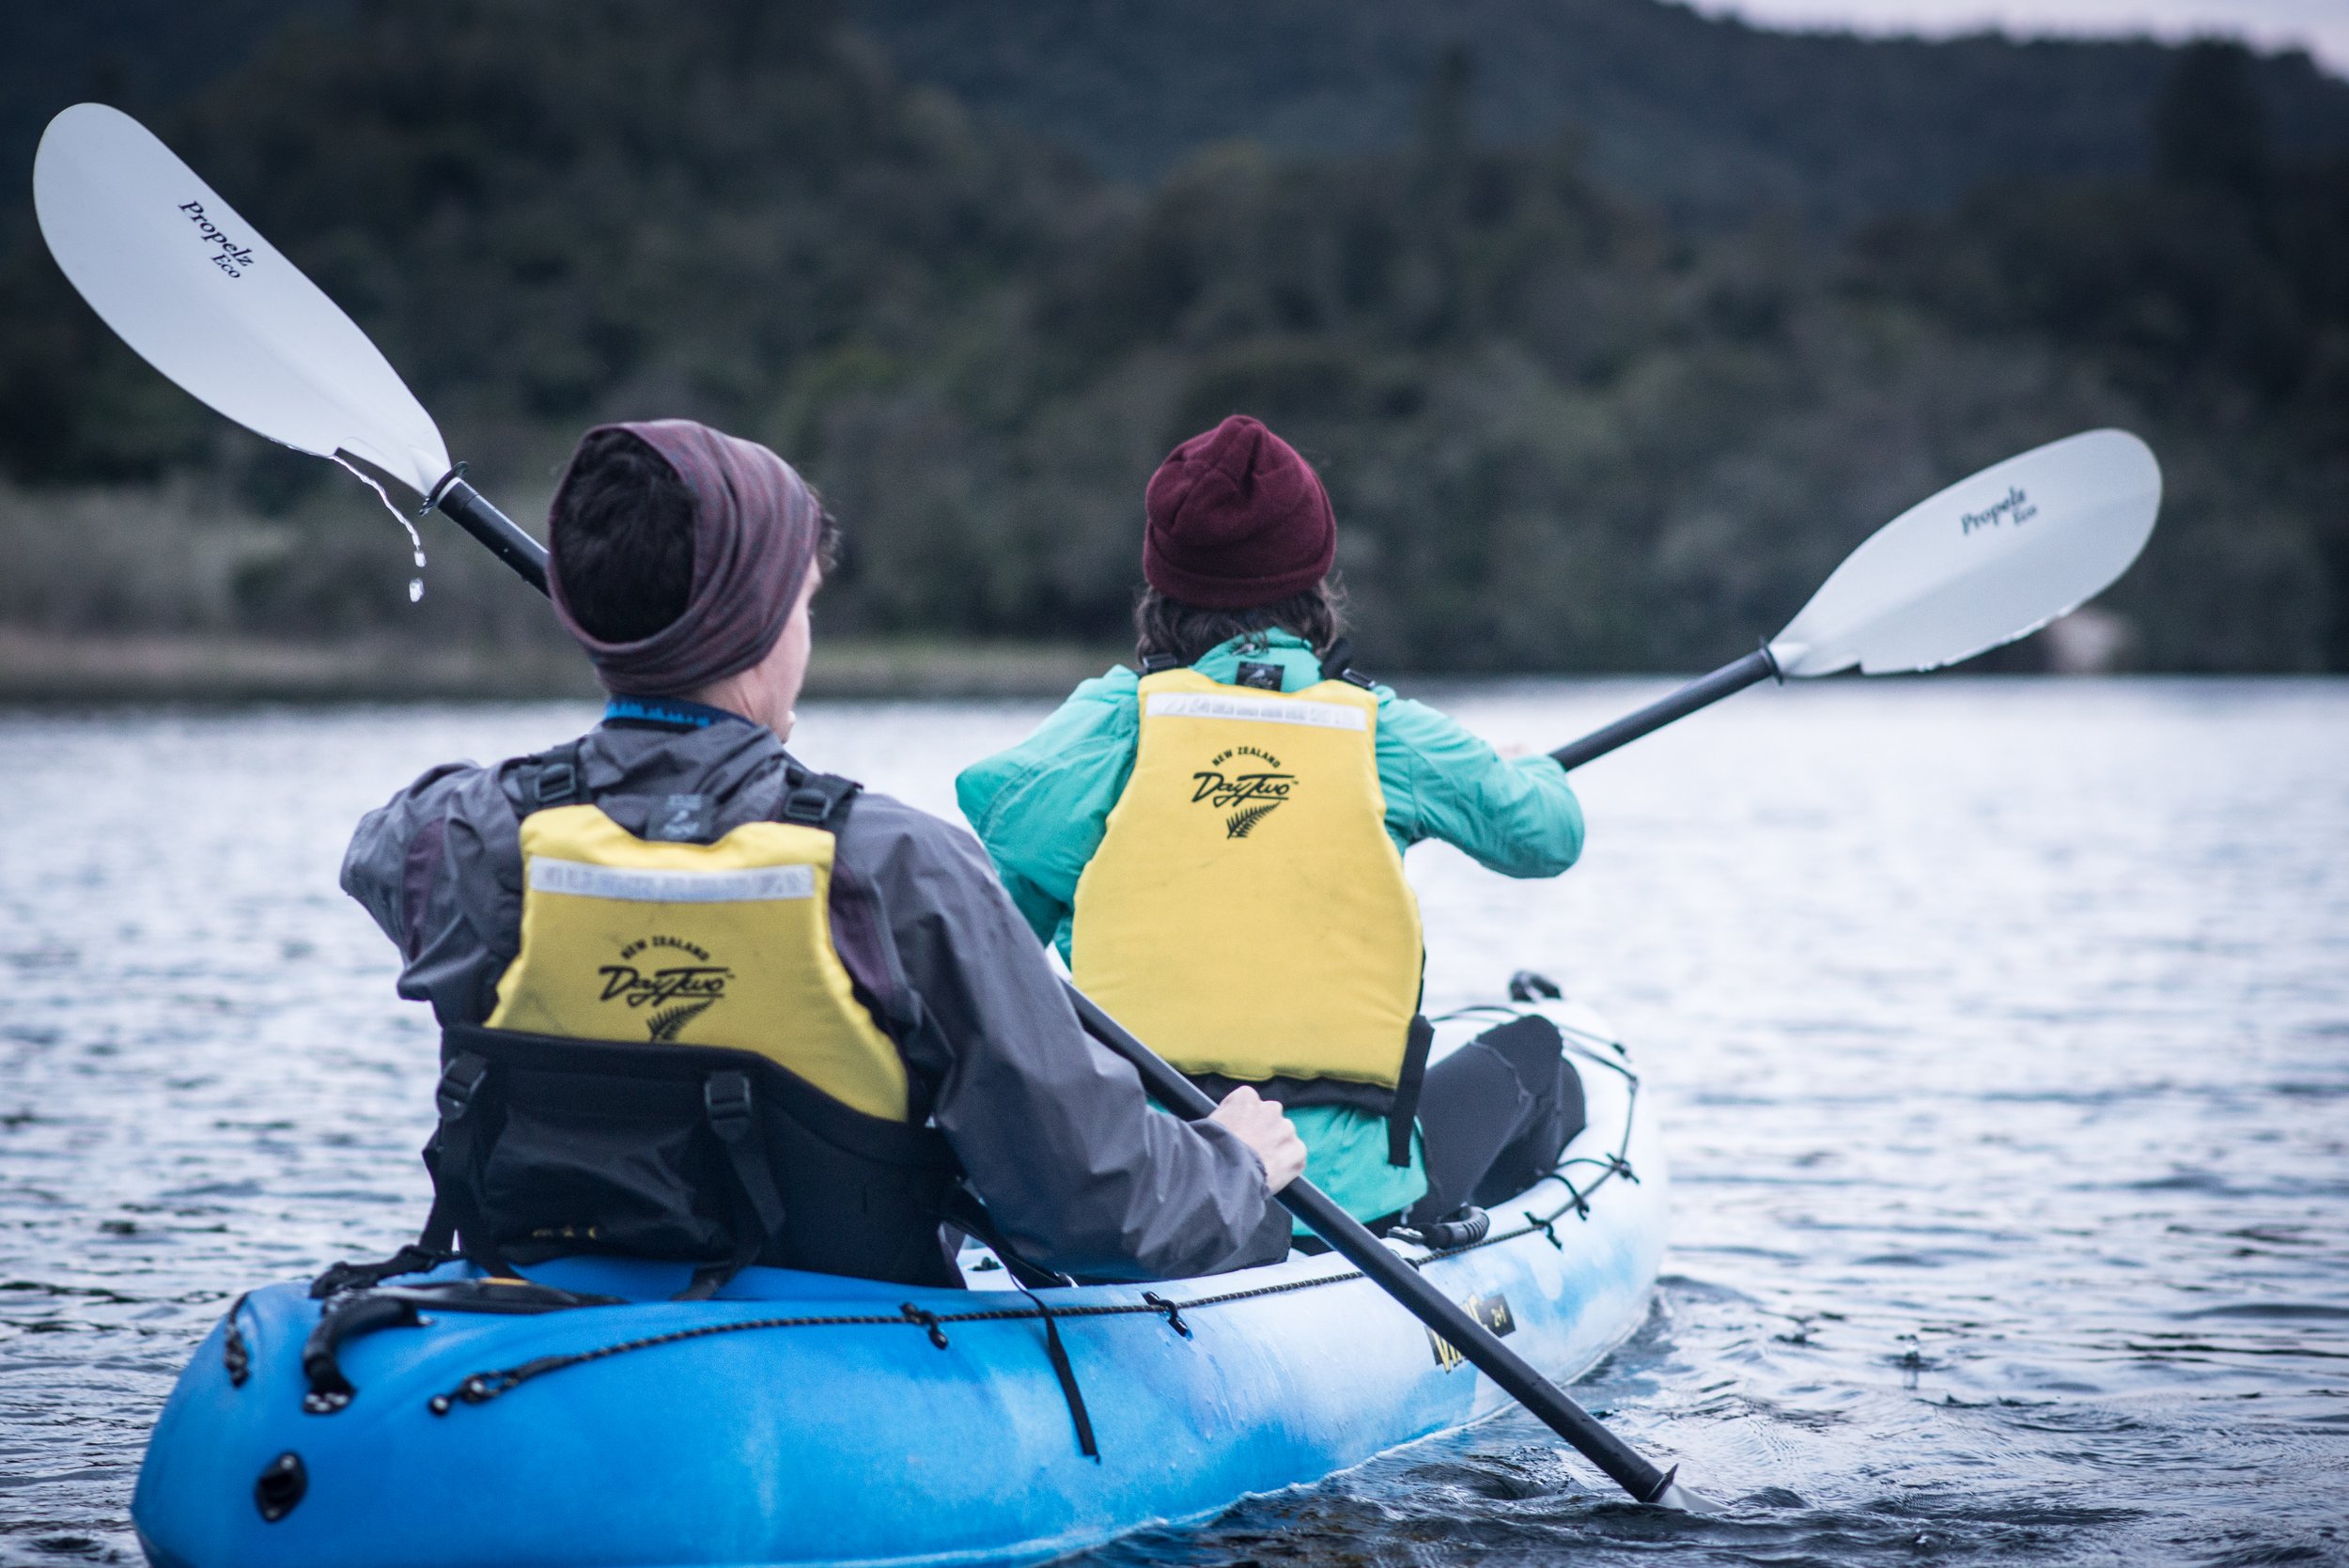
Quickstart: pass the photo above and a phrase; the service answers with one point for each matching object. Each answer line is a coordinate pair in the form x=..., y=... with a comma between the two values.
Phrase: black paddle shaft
x=1390, y=1273
x=471, y=510
x=1171, y=1089
x=1701, y=693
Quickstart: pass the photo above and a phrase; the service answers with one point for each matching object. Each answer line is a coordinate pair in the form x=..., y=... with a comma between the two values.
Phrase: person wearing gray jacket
x=675, y=889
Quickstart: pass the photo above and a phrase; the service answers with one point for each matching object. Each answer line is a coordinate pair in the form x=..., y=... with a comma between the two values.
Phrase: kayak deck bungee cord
x=579, y=1416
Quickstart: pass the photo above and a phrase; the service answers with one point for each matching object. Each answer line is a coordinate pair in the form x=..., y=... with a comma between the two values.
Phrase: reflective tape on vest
x=583, y=881
x=1257, y=710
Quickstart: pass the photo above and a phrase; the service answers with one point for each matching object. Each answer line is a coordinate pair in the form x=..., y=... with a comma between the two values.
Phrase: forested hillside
x=1709, y=118
x=1565, y=428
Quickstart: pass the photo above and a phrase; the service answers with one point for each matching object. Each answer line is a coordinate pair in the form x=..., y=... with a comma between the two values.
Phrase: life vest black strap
x=1337, y=664
x=1403, y=1116
x=551, y=778
x=726, y=1101
x=758, y=1212
x=815, y=799
x=1157, y=663
x=555, y=777
x=454, y=1157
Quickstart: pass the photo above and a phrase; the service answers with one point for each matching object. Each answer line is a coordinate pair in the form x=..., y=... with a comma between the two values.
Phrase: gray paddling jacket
x=1076, y=1169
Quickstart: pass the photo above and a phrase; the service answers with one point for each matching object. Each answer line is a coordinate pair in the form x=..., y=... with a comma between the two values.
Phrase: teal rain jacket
x=1041, y=808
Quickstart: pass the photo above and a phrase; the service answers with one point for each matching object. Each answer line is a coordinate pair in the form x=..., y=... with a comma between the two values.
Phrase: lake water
x=2000, y=1031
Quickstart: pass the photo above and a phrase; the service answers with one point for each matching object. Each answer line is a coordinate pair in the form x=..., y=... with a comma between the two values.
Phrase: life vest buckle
x=807, y=804
x=557, y=782
x=726, y=1101
x=460, y=1081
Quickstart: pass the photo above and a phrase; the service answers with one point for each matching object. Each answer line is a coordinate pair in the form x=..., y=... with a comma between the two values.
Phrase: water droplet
x=416, y=540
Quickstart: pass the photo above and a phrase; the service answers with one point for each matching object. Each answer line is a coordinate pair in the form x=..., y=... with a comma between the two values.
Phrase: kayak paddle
x=1986, y=561
x=197, y=292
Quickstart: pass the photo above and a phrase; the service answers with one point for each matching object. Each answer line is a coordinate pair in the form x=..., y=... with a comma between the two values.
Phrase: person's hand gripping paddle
x=196, y=291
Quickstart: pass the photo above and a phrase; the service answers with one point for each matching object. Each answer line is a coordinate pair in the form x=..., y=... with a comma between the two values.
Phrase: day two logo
x=1232, y=783
x=674, y=992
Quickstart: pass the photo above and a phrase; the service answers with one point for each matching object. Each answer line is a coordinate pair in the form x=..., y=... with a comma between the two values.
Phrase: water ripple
x=2000, y=1027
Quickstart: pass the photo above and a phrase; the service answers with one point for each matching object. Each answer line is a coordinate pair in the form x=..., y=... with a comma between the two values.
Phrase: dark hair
x=1168, y=627
x=623, y=528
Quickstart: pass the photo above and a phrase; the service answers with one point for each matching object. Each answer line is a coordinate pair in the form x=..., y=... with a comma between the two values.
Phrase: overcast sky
x=2320, y=26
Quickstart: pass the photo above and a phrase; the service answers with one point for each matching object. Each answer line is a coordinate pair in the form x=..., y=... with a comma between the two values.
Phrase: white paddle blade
x=1990, y=559
x=203, y=298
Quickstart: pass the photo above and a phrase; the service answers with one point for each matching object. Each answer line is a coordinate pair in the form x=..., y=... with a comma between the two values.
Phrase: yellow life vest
x=718, y=944
x=1246, y=914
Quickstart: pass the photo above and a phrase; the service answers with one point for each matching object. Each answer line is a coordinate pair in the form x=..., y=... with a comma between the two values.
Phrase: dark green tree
x=2210, y=127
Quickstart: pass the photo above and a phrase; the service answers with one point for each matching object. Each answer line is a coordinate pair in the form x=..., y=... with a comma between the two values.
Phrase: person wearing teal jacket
x=1040, y=807
x=1237, y=552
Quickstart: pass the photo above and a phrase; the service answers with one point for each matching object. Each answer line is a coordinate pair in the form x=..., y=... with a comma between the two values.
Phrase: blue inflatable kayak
x=806, y=1419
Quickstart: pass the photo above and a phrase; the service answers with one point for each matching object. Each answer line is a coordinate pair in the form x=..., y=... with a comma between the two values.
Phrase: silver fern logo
x=665, y=1025
x=1246, y=785
x=1237, y=824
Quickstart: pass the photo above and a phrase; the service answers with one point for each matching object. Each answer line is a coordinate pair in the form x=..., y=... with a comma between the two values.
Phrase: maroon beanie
x=1235, y=518
x=756, y=527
